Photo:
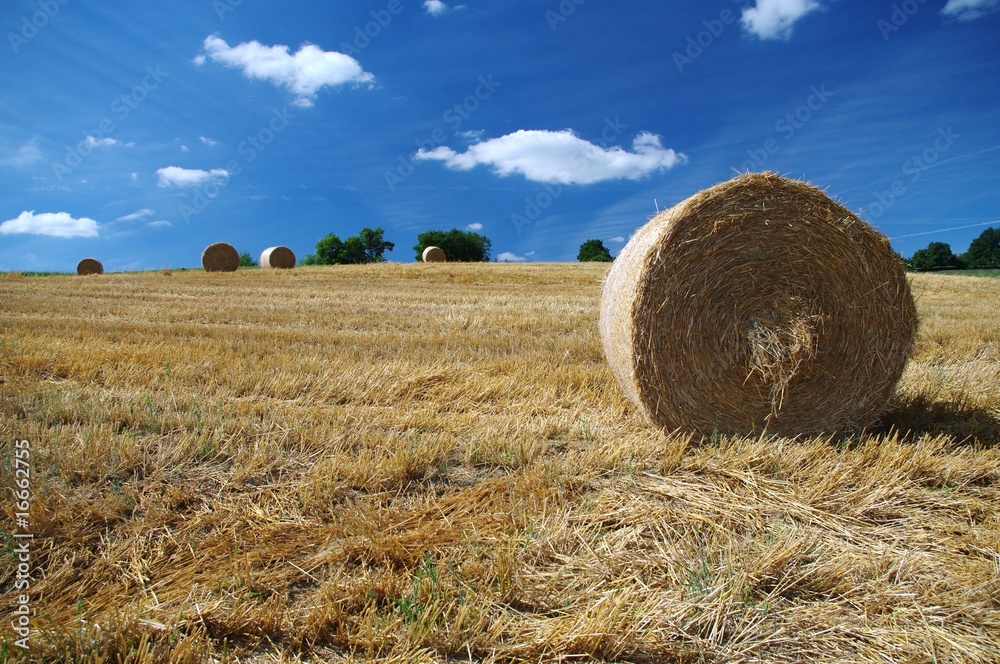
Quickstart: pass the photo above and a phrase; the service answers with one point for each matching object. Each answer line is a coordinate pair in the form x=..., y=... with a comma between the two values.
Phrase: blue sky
x=139, y=134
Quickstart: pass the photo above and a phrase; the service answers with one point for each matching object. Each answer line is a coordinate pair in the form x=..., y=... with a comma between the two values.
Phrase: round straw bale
x=281, y=258
x=758, y=304
x=220, y=257
x=434, y=255
x=89, y=266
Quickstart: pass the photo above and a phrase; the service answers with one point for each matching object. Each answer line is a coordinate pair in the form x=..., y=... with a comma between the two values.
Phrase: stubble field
x=417, y=463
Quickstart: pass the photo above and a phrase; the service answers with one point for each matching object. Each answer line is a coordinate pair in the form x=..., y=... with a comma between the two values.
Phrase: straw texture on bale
x=220, y=257
x=759, y=303
x=281, y=258
x=89, y=266
x=434, y=255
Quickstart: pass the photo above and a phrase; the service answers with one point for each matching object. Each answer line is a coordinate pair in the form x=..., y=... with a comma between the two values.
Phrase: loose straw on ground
x=220, y=257
x=757, y=304
x=281, y=258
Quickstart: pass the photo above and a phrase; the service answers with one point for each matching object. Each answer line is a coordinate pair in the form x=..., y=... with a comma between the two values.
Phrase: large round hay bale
x=758, y=304
x=89, y=266
x=281, y=258
x=220, y=257
x=434, y=255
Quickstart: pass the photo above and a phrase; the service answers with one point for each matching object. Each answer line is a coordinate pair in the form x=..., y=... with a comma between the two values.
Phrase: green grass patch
x=42, y=274
x=973, y=273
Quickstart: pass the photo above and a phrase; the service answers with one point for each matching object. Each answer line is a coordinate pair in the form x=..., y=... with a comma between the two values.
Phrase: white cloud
x=970, y=10
x=617, y=240
x=774, y=19
x=185, y=148
x=161, y=223
x=475, y=226
x=435, y=7
x=92, y=142
x=508, y=257
x=175, y=176
x=207, y=141
x=135, y=175
x=27, y=155
x=54, y=224
x=136, y=216
x=304, y=73
x=559, y=157
x=471, y=135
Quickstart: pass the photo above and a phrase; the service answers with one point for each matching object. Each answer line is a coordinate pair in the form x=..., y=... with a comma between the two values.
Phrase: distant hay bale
x=759, y=303
x=434, y=255
x=281, y=258
x=89, y=266
x=220, y=257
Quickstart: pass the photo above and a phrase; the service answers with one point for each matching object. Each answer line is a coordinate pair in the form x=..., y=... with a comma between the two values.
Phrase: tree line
x=983, y=254
x=370, y=246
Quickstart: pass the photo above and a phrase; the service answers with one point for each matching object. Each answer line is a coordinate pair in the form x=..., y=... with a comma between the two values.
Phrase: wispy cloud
x=175, y=176
x=304, y=73
x=136, y=216
x=25, y=156
x=207, y=141
x=471, y=135
x=509, y=257
x=617, y=240
x=475, y=226
x=53, y=224
x=775, y=19
x=161, y=223
x=559, y=157
x=970, y=10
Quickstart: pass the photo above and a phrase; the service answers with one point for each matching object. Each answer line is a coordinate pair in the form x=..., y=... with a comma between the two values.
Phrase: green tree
x=374, y=245
x=594, y=251
x=937, y=256
x=458, y=246
x=327, y=250
x=246, y=260
x=368, y=246
x=984, y=252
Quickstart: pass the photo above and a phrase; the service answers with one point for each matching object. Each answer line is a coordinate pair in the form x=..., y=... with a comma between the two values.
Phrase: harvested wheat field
x=406, y=463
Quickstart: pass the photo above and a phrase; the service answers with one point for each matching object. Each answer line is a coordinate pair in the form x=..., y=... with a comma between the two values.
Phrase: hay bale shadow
x=921, y=414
